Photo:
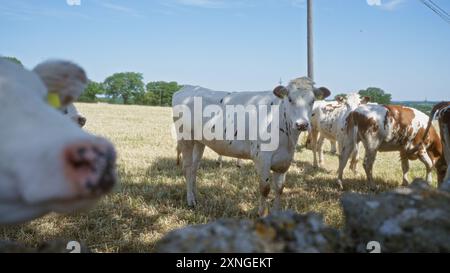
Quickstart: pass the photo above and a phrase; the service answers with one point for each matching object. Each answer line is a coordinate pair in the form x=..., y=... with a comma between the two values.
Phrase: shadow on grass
x=231, y=184
x=152, y=201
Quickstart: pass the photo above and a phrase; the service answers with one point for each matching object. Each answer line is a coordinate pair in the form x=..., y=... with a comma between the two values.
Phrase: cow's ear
x=365, y=100
x=321, y=93
x=340, y=99
x=63, y=79
x=280, y=91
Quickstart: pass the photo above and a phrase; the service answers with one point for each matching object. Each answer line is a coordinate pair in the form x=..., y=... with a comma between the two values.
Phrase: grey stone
x=413, y=219
x=280, y=232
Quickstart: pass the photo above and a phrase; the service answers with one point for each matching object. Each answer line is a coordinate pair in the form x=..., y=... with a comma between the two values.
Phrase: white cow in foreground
x=47, y=163
x=295, y=105
x=329, y=119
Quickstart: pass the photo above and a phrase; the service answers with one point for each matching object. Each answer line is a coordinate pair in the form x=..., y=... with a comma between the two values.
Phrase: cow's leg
x=263, y=169
x=320, y=149
x=197, y=155
x=187, y=150
x=278, y=182
x=405, y=168
x=313, y=137
x=369, y=160
x=345, y=153
x=333, y=147
x=426, y=160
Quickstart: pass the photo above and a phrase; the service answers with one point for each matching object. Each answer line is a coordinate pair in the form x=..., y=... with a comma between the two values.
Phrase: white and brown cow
x=295, y=106
x=329, y=121
x=47, y=163
x=387, y=128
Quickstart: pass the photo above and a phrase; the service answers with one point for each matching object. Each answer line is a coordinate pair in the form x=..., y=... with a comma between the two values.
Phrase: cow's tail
x=433, y=115
x=354, y=133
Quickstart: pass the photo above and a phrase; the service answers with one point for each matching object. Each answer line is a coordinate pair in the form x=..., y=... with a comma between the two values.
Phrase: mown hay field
x=151, y=201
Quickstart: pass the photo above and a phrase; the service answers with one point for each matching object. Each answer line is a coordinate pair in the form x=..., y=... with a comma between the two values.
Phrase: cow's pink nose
x=302, y=126
x=91, y=167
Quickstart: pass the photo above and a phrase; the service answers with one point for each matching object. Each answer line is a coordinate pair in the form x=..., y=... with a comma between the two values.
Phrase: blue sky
x=398, y=45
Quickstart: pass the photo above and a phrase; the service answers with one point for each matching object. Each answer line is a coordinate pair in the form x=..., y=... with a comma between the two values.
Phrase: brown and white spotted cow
x=387, y=128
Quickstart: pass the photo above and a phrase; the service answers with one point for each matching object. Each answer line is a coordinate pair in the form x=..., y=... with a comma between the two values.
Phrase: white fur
x=32, y=138
x=297, y=106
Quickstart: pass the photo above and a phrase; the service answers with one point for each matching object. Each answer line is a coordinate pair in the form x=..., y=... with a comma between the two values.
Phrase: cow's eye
x=290, y=100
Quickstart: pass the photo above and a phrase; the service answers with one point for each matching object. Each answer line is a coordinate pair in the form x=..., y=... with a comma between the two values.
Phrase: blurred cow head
x=47, y=163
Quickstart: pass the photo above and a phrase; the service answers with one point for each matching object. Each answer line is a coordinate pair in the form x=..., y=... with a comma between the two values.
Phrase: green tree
x=129, y=86
x=160, y=93
x=377, y=95
x=92, y=90
x=12, y=59
x=149, y=98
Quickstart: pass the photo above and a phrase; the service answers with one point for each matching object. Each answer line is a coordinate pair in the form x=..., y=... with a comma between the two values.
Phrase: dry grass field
x=151, y=198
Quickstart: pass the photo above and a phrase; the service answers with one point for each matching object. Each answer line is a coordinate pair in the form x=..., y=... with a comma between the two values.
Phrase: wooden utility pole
x=310, y=40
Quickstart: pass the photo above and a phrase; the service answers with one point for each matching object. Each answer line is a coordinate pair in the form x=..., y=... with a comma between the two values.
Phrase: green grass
x=151, y=199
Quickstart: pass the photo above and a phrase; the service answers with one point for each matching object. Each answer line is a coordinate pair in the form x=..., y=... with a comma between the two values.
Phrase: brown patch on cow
x=330, y=108
x=401, y=119
x=365, y=124
x=402, y=116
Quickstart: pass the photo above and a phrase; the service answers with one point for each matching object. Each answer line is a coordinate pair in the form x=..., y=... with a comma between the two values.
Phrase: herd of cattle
x=349, y=121
x=49, y=164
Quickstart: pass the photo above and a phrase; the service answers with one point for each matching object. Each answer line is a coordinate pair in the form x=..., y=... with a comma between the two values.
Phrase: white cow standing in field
x=329, y=120
x=295, y=105
x=47, y=163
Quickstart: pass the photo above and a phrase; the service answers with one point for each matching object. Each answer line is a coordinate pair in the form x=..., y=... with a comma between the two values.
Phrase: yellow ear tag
x=53, y=100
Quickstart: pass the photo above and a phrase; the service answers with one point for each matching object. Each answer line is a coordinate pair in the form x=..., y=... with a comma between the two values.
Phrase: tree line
x=129, y=88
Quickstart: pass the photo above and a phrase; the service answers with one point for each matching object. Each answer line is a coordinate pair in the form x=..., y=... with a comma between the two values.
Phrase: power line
x=436, y=9
x=439, y=8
